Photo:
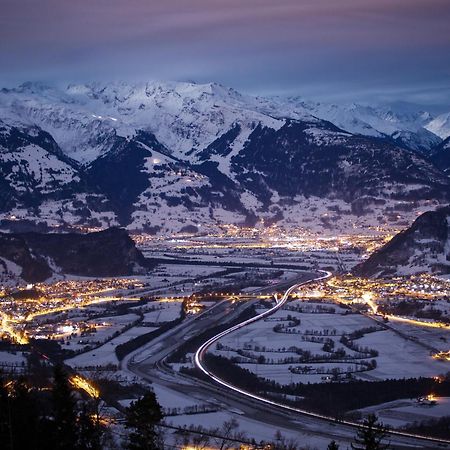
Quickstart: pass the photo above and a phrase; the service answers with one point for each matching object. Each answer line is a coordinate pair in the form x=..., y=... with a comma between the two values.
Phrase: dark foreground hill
x=102, y=254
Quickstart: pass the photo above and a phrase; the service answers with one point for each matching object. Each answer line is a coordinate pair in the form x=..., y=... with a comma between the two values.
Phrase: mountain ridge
x=422, y=248
x=165, y=156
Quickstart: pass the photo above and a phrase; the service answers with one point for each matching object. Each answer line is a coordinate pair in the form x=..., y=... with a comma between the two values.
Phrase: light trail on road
x=201, y=351
x=85, y=385
x=418, y=323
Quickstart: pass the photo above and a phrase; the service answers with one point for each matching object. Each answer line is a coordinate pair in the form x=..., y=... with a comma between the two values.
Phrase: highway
x=149, y=363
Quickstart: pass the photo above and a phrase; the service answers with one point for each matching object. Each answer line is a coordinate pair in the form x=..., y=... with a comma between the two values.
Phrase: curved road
x=199, y=356
x=148, y=362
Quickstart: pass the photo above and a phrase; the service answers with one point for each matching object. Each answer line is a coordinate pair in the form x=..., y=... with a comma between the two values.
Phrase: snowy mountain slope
x=36, y=175
x=168, y=157
x=78, y=130
x=405, y=128
x=143, y=179
x=319, y=159
x=441, y=156
x=84, y=119
x=422, y=248
x=32, y=163
x=440, y=125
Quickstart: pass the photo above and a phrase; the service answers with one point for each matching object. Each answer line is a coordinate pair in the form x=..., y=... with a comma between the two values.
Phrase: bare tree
x=229, y=433
x=283, y=443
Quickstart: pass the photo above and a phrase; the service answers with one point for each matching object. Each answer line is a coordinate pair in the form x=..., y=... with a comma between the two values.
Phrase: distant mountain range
x=422, y=248
x=170, y=157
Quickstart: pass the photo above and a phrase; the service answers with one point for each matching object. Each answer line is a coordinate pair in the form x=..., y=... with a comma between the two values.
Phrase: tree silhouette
x=370, y=435
x=18, y=412
x=142, y=417
x=64, y=411
x=90, y=430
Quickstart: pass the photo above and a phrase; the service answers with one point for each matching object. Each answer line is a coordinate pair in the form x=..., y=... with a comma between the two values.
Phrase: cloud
x=260, y=44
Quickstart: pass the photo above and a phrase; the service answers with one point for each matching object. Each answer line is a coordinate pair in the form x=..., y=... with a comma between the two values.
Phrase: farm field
x=310, y=342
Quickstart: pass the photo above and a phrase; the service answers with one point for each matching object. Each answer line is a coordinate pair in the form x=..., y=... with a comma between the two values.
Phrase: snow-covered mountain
x=406, y=128
x=167, y=157
x=36, y=176
x=441, y=156
x=422, y=248
x=185, y=117
x=84, y=119
x=440, y=125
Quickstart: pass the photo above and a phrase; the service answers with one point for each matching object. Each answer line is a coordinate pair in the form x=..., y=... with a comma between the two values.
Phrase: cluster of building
x=20, y=307
x=379, y=296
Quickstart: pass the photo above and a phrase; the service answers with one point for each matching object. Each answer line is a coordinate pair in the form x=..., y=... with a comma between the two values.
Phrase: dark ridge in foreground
x=422, y=248
x=105, y=253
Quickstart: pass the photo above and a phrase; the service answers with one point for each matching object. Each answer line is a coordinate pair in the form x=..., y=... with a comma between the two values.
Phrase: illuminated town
x=225, y=225
x=93, y=321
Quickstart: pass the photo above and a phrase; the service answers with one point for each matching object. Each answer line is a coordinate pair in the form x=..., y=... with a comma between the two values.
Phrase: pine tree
x=90, y=431
x=142, y=417
x=29, y=421
x=64, y=411
x=370, y=435
x=18, y=412
x=4, y=414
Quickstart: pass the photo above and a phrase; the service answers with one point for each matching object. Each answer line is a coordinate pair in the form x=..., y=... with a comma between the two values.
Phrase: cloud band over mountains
x=398, y=48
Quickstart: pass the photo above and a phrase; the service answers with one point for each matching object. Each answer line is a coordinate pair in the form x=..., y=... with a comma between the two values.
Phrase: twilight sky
x=374, y=50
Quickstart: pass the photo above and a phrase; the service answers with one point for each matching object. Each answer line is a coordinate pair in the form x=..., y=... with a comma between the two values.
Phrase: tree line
x=57, y=418
x=332, y=399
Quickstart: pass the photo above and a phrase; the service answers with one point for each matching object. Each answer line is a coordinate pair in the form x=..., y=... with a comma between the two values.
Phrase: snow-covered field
x=401, y=358
x=252, y=429
x=296, y=352
x=160, y=311
x=407, y=411
x=12, y=361
x=438, y=338
x=105, y=355
x=154, y=313
x=105, y=328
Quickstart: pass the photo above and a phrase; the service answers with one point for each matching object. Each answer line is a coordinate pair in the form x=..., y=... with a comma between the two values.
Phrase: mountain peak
x=153, y=150
x=440, y=125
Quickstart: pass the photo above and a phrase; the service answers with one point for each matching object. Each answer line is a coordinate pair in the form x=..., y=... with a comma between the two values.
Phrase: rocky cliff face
x=103, y=254
x=422, y=248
